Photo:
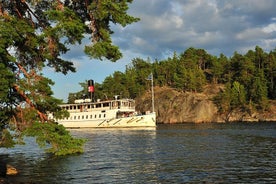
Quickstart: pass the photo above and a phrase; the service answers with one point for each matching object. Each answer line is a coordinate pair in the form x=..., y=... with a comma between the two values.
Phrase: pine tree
x=270, y=72
x=233, y=97
x=35, y=34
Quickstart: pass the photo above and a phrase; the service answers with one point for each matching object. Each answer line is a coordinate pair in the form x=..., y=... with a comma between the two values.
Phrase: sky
x=168, y=26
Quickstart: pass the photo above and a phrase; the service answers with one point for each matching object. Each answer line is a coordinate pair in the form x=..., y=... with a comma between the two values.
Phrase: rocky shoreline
x=173, y=106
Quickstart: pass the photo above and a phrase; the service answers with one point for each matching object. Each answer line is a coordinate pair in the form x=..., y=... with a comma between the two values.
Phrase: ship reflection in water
x=187, y=153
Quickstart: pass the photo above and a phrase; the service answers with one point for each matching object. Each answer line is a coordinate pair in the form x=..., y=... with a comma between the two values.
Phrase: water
x=186, y=153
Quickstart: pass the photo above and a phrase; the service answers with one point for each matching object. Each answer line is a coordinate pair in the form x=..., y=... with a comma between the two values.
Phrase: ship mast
x=152, y=92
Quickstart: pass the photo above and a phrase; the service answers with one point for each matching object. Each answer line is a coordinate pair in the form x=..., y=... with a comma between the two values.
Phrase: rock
x=177, y=107
x=174, y=106
x=11, y=170
x=6, y=169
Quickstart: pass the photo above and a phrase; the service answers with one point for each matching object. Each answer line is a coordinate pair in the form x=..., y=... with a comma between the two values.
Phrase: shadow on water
x=36, y=166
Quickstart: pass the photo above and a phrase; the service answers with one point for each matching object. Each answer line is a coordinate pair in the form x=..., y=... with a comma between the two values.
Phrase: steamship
x=87, y=113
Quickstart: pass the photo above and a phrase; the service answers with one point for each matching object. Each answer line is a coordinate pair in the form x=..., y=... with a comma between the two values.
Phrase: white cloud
x=270, y=28
x=218, y=26
x=139, y=41
x=250, y=34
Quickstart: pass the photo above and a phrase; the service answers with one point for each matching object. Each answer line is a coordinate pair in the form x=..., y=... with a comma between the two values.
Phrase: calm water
x=187, y=153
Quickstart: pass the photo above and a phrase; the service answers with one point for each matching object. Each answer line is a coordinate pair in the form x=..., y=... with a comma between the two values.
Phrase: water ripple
x=187, y=153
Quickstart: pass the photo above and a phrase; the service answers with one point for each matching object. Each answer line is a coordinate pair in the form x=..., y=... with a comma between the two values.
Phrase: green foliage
x=249, y=79
x=35, y=34
x=67, y=25
x=56, y=136
x=218, y=68
x=238, y=95
x=6, y=139
x=100, y=14
x=223, y=99
x=115, y=85
x=194, y=68
x=6, y=100
x=233, y=97
x=270, y=73
x=166, y=70
x=189, y=70
x=99, y=50
x=258, y=91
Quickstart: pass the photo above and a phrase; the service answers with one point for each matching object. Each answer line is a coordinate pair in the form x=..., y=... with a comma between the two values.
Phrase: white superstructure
x=109, y=113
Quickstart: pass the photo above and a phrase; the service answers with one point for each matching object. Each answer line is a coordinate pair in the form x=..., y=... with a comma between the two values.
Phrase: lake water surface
x=185, y=153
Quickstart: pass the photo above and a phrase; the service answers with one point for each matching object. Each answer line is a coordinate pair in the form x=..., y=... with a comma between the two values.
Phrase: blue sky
x=218, y=26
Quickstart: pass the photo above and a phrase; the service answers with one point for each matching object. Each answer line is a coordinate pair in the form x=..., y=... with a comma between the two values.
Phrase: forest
x=249, y=79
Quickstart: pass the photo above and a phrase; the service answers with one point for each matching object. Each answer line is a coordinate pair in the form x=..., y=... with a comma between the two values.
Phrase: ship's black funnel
x=91, y=89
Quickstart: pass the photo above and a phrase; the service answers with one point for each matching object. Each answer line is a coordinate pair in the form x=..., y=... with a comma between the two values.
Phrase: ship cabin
x=126, y=105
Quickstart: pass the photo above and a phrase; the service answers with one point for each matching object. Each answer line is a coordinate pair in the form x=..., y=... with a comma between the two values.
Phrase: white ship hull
x=147, y=120
x=104, y=114
x=86, y=113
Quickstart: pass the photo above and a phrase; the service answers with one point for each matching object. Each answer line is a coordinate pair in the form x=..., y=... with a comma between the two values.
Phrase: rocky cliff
x=174, y=106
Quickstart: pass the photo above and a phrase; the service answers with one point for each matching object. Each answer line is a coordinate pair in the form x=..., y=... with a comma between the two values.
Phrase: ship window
x=99, y=115
x=82, y=117
x=95, y=115
x=98, y=105
x=74, y=117
x=78, y=117
x=106, y=104
x=91, y=116
x=86, y=116
x=104, y=115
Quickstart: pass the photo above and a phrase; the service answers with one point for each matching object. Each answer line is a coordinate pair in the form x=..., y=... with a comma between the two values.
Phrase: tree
x=115, y=85
x=140, y=69
x=34, y=34
x=133, y=87
x=166, y=70
x=189, y=74
x=181, y=79
x=258, y=91
x=218, y=68
x=260, y=57
x=270, y=71
x=232, y=98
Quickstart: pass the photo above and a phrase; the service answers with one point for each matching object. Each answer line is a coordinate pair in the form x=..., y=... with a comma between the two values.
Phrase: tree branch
x=42, y=116
x=93, y=26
